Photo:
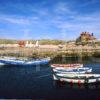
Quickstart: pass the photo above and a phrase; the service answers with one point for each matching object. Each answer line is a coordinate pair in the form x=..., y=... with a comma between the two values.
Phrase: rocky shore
x=50, y=51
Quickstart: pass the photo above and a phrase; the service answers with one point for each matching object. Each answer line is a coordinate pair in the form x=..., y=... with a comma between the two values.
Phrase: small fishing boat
x=14, y=61
x=72, y=70
x=77, y=78
x=67, y=65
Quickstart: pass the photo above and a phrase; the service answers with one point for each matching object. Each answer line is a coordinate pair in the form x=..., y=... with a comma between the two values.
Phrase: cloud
x=59, y=17
x=15, y=20
x=78, y=23
x=20, y=20
x=63, y=8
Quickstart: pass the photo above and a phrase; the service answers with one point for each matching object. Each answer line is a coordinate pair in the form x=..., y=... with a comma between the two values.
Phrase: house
x=85, y=38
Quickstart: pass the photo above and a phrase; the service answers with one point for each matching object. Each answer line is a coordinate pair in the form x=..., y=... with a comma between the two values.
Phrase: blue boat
x=27, y=62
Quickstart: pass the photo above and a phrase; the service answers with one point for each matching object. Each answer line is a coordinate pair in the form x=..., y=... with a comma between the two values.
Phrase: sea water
x=36, y=82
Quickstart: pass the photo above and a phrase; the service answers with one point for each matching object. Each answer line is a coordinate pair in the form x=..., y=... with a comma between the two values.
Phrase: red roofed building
x=21, y=44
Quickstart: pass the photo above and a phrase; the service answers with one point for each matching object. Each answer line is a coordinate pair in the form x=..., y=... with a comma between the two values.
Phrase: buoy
x=71, y=83
x=79, y=83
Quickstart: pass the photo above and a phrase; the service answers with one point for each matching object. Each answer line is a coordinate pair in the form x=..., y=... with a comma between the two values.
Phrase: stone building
x=85, y=37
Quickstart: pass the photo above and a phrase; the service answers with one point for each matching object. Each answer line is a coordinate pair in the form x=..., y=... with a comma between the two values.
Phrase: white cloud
x=19, y=19
x=61, y=16
x=78, y=23
x=14, y=20
x=63, y=8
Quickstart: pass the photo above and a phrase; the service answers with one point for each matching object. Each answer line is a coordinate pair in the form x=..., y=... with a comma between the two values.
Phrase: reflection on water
x=59, y=84
x=36, y=82
x=84, y=60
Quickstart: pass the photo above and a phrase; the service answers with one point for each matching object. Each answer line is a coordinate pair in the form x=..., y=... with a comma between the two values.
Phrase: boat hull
x=77, y=78
x=72, y=70
x=22, y=62
x=67, y=65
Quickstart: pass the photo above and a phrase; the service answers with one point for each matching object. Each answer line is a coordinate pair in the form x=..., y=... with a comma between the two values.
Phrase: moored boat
x=67, y=65
x=74, y=73
x=72, y=70
x=14, y=61
x=77, y=78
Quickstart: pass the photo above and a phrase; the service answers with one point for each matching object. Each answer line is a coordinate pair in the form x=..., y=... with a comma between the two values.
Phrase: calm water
x=37, y=83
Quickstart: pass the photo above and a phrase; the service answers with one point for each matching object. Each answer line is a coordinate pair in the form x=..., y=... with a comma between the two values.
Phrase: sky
x=49, y=19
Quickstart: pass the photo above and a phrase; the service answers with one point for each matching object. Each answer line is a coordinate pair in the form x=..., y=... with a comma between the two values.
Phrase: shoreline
x=51, y=52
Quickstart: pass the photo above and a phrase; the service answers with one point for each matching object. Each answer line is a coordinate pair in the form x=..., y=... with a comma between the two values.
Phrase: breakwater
x=51, y=52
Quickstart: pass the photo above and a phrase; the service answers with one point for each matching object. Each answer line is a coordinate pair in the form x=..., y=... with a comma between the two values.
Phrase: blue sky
x=48, y=19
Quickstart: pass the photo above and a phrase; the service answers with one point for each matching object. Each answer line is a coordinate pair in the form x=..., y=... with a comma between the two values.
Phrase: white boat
x=14, y=61
x=67, y=65
x=72, y=70
x=77, y=78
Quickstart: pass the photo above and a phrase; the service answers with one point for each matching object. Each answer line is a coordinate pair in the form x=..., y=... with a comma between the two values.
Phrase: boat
x=72, y=70
x=67, y=65
x=77, y=78
x=74, y=73
x=14, y=61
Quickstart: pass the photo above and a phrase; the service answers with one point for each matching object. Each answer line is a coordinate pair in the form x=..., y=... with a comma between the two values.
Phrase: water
x=37, y=83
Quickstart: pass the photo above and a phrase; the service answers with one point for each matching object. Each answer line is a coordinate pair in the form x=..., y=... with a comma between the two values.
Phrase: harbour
x=50, y=49
x=37, y=83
